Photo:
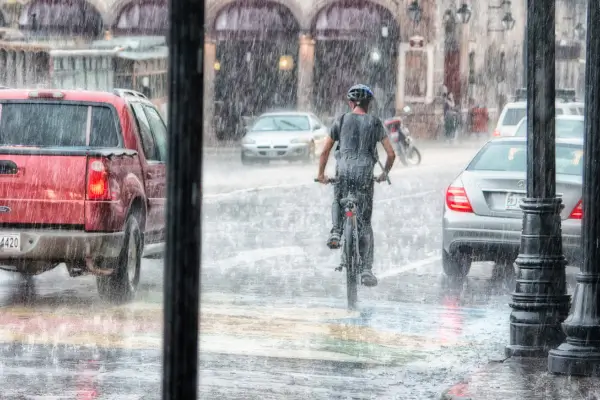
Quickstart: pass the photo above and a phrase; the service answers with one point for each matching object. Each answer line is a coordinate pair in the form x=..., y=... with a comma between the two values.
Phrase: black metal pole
x=525, y=57
x=184, y=200
x=540, y=301
x=580, y=354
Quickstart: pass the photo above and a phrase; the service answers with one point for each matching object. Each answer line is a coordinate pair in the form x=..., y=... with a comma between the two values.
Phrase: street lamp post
x=540, y=301
x=414, y=12
x=508, y=22
x=580, y=354
x=579, y=31
x=184, y=176
x=464, y=13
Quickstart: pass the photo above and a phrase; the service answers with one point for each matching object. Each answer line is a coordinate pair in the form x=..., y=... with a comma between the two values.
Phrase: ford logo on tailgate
x=4, y=209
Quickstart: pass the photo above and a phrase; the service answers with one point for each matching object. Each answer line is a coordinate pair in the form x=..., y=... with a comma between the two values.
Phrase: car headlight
x=248, y=141
x=300, y=141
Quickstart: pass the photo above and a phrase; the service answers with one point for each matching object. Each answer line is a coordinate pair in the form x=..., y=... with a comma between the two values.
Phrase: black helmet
x=360, y=93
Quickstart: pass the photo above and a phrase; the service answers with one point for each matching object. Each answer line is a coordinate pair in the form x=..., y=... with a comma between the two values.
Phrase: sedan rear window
x=512, y=157
x=60, y=125
x=565, y=128
x=512, y=116
x=282, y=123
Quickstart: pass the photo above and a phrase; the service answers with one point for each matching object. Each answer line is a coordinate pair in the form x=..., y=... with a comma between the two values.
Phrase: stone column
x=20, y=70
x=464, y=64
x=10, y=68
x=400, y=77
x=210, y=57
x=306, y=66
x=30, y=80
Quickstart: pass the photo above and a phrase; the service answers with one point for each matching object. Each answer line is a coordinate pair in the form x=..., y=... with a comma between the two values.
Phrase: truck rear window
x=512, y=157
x=53, y=124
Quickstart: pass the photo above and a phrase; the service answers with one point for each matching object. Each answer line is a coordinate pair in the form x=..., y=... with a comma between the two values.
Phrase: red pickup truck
x=82, y=182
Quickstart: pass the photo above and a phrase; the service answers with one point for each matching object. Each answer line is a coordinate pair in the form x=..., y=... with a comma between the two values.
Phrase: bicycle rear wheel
x=351, y=267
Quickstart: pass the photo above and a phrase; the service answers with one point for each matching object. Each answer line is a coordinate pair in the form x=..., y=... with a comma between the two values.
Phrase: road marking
x=408, y=267
x=295, y=333
x=254, y=189
x=407, y=196
x=249, y=256
x=236, y=192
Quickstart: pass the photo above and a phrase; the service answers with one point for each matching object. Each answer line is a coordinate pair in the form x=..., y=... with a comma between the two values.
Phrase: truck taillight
x=97, y=181
x=496, y=133
x=577, y=212
x=457, y=200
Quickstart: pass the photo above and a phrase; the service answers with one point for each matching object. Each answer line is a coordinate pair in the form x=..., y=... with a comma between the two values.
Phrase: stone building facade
x=304, y=53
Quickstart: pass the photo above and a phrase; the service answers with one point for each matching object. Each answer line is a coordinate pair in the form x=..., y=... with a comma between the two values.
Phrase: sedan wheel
x=456, y=265
x=311, y=156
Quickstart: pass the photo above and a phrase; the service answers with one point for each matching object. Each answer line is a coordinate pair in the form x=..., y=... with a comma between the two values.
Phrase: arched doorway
x=452, y=79
x=143, y=18
x=61, y=17
x=356, y=42
x=256, y=67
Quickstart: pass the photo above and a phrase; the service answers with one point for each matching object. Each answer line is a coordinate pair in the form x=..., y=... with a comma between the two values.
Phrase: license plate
x=273, y=153
x=513, y=201
x=10, y=243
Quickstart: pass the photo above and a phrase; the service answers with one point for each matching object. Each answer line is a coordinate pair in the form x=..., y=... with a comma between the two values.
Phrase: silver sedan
x=290, y=136
x=482, y=218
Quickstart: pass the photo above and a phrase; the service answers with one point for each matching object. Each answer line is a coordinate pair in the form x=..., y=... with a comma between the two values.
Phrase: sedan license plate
x=513, y=201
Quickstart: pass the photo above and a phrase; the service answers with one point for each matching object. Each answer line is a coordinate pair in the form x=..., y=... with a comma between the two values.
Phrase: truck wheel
x=456, y=265
x=122, y=285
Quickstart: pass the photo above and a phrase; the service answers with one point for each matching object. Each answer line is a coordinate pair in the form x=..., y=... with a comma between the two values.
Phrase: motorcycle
x=400, y=136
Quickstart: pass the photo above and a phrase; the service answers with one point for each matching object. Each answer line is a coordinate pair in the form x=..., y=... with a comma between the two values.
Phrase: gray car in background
x=289, y=136
x=482, y=220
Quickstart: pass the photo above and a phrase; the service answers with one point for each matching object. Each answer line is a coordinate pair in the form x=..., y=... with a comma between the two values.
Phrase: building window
x=144, y=18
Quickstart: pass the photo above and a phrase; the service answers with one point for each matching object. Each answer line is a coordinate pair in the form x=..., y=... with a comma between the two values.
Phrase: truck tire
x=122, y=285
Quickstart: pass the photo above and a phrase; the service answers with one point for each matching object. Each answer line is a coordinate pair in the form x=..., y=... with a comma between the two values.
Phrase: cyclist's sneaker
x=334, y=240
x=368, y=279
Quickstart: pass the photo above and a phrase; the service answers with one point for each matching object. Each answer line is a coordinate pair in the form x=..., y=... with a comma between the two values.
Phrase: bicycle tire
x=351, y=267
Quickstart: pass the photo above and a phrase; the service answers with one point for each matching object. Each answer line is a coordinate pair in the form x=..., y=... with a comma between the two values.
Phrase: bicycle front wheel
x=351, y=267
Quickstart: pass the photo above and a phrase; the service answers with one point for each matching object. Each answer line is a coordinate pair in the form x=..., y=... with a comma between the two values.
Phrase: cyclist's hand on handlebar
x=323, y=179
x=381, y=178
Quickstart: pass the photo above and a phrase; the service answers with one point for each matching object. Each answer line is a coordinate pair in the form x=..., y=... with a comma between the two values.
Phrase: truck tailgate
x=42, y=189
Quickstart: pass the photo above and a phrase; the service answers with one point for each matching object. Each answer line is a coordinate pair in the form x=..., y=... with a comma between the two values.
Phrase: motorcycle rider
x=357, y=134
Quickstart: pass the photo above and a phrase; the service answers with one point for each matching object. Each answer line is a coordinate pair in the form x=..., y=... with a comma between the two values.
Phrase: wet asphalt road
x=274, y=323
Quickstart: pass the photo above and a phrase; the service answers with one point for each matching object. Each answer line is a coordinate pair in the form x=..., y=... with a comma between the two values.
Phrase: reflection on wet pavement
x=274, y=323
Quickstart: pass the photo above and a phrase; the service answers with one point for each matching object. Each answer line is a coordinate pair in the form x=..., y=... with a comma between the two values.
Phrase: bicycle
x=351, y=259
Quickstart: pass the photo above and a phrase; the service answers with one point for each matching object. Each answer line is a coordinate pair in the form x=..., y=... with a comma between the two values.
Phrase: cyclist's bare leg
x=333, y=242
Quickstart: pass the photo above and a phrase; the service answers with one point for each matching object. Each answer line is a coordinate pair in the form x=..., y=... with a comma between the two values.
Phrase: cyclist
x=357, y=134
